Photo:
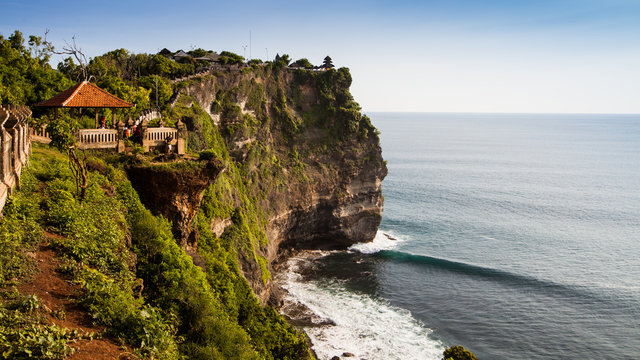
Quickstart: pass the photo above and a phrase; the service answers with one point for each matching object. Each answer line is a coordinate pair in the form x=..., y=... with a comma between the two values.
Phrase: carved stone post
x=145, y=135
x=120, y=136
x=181, y=135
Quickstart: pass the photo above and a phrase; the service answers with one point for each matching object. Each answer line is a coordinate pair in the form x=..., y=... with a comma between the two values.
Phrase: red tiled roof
x=85, y=95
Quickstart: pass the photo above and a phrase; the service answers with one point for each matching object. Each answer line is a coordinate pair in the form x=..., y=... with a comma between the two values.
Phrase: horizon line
x=499, y=112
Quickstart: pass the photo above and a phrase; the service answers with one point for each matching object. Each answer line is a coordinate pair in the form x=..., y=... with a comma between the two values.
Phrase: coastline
x=339, y=322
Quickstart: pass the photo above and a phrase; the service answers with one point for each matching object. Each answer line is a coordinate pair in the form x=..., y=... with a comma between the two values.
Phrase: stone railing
x=15, y=147
x=97, y=139
x=156, y=138
x=148, y=115
x=153, y=138
x=40, y=134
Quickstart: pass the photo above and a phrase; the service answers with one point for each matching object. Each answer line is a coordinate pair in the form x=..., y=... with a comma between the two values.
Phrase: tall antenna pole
x=249, y=44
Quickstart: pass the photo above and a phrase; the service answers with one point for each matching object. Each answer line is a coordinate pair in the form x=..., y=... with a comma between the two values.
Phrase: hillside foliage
x=136, y=280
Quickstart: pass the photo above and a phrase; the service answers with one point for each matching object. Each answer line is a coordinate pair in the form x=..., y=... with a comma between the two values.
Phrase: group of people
x=133, y=133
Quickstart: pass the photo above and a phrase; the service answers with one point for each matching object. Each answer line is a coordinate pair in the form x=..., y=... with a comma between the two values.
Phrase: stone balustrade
x=97, y=139
x=40, y=134
x=147, y=116
x=156, y=138
x=16, y=137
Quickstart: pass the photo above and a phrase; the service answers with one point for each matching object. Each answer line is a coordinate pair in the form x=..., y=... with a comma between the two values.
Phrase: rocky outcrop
x=331, y=213
x=326, y=156
x=175, y=193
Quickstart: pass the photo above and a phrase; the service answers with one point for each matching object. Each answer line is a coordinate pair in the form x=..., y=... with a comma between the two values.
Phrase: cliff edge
x=304, y=166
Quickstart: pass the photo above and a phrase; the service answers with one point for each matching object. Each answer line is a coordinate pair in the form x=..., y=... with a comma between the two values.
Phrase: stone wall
x=15, y=147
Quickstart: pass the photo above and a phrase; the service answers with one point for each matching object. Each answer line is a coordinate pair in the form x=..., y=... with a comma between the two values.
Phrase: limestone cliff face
x=309, y=160
x=335, y=211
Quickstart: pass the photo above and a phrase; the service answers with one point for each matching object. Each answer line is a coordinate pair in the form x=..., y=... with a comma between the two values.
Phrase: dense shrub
x=24, y=334
x=458, y=352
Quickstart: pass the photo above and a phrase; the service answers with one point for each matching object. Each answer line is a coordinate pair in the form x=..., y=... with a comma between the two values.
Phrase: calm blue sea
x=517, y=236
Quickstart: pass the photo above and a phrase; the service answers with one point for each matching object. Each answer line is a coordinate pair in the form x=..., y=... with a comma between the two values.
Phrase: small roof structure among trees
x=211, y=57
x=85, y=95
x=328, y=64
x=180, y=55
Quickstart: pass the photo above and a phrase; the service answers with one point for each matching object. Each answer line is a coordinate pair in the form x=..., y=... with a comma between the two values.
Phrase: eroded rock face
x=175, y=194
x=338, y=203
x=331, y=220
x=330, y=212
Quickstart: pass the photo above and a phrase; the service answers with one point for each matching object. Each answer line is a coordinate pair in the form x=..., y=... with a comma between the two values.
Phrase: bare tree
x=73, y=49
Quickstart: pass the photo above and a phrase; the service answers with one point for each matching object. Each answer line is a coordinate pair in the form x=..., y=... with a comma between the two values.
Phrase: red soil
x=57, y=294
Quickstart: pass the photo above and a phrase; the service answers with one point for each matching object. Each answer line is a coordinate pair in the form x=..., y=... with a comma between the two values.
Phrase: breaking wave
x=358, y=323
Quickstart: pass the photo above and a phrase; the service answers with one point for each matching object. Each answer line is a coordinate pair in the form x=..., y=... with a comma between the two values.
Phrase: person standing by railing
x=169, y=139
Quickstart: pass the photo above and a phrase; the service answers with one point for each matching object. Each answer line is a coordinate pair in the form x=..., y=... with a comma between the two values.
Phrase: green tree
x=163, y=86
x=283, y=60
x=25, y=79
x=228, y=58
x=305, y=63
x=458, y=352
x=62, y=131
x=197, y=52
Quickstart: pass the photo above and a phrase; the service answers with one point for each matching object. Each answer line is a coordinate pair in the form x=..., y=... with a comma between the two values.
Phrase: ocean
x=514, y=235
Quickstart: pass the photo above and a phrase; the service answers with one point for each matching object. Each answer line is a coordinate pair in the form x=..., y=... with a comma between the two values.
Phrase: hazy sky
x=449, y=55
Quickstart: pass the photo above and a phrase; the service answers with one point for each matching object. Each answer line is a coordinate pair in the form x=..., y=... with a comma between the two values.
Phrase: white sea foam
x=384, y=240
x=367, y=327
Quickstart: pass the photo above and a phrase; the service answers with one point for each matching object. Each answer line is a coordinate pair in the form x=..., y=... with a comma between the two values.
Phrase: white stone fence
x=152, y=138
x=156, y=138
x=97, y=139
x=40, y=134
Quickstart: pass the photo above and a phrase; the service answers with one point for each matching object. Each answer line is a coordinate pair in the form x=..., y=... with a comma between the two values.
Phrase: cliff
x=278, y=159
x=175, y=194
x=304, y=166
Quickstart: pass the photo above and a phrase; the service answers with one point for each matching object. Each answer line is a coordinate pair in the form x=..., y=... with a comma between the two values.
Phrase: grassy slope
x=135, y=279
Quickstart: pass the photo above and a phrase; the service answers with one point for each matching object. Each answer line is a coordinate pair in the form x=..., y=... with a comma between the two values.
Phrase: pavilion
x=85, y=95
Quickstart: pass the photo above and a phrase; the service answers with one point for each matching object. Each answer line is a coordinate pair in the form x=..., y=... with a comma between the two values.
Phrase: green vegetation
x=305, y=63
x=24, y=334
x=276, y=125
x=228, y=58
x=136, y=280
x=25, y=75
x=458, y=352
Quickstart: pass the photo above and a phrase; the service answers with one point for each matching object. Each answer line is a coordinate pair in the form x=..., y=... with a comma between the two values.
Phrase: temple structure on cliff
x=86, y=95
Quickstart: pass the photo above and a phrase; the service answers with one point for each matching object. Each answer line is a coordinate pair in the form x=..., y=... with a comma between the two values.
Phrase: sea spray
x=384, y=240
x=358, y=323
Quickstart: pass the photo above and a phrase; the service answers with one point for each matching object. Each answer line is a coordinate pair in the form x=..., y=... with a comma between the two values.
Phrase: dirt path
x=58, y=294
